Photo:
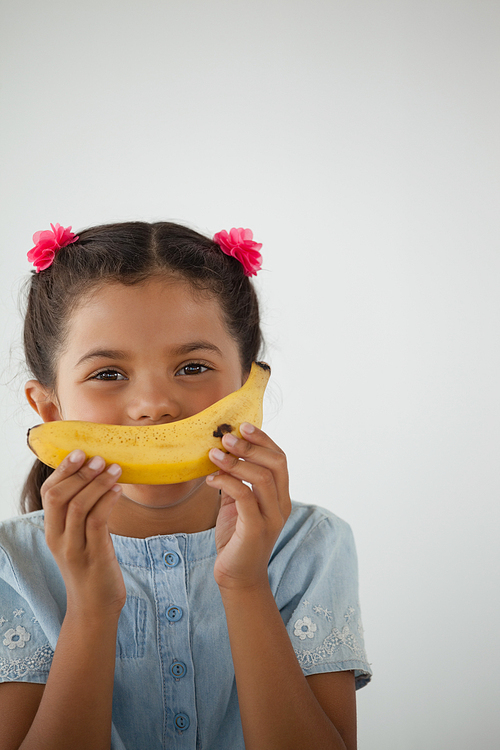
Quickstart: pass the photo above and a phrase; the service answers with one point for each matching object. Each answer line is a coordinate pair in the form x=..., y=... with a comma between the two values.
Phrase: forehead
x=162, y=311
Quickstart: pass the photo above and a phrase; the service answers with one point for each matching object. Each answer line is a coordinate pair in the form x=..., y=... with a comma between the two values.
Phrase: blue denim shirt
x=174, y=678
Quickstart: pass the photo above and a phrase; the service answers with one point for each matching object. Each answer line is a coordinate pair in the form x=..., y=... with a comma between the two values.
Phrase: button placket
x=174, y=639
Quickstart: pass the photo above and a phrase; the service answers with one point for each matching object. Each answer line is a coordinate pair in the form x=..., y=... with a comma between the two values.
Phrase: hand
x=250, y=519
x=78, y=498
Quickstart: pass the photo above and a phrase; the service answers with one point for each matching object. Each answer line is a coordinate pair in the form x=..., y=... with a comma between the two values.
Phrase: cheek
x=89, y=407
x=199, y=400
x=230, y=386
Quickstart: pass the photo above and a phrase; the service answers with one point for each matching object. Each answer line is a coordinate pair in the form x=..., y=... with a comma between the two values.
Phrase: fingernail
x=247, y=427
x=76, y=456
x=116, y=488
x=114, y=470
x=229, y=440
x=96, y=463
x=217, y=454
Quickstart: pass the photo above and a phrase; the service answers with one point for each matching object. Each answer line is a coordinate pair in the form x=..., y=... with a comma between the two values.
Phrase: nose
x=154, y=402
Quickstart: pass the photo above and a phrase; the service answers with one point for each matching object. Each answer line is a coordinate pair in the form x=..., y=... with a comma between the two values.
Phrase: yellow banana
x=158, y=454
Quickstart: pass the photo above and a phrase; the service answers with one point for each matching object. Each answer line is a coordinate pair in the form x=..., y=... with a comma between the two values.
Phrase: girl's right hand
x=78, y=498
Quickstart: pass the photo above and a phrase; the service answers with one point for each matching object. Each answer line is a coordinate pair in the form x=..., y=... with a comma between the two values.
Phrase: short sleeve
x=25, y=653
x=318, y=598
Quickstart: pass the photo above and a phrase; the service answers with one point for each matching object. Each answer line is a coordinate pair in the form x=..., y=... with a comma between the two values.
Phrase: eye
x=193, y=368
x=106, y=375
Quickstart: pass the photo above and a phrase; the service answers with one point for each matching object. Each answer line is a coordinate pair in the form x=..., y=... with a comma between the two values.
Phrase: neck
x=144, y=511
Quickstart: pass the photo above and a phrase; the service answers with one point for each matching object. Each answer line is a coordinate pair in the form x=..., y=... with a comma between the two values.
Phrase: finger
x=73, y=476
x=257, y=448
x=252, y=433
x=55, y=493
x=68, y=466
x=234, y=491
x=97, y=532
x=85, y=501
x=258, y=437
x=260, y=477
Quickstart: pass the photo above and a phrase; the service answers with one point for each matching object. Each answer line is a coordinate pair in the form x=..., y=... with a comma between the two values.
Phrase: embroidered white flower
x=18, y=612
x=305, y=628
x=335, y=642
x=2, y=620
x=16, y=638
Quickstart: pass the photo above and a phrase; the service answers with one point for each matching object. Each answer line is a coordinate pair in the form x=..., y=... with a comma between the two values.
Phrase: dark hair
x=129, y=253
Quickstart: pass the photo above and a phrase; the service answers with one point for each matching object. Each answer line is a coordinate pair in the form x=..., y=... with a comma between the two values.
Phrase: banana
x=158, y=454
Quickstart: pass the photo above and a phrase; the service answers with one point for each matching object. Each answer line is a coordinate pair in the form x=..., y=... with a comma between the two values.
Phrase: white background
x=359, y=140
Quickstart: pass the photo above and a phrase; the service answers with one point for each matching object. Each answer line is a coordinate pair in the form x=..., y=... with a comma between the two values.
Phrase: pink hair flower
x=240, y=244
x=47, y=244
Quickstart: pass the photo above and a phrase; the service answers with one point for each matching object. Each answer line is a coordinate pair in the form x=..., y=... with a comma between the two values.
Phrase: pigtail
x=31, y=498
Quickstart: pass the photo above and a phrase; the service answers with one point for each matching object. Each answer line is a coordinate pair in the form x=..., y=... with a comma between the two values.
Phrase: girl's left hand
x=250, y=518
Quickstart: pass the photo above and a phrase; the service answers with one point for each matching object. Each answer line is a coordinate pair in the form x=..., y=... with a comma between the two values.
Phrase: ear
x=42, y=401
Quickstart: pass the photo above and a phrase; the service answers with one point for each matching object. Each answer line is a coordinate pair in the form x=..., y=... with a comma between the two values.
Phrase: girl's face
x=145, y=355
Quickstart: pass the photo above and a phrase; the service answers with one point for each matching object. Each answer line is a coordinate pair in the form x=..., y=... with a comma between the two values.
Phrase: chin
x=160, y=494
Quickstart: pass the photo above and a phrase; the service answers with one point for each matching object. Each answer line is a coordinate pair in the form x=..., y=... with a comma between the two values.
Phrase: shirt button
x=174, y=614
x=178, y=669
x=181, y=721
x=171, y=559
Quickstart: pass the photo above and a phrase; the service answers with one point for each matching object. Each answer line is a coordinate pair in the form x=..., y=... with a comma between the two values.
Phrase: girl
x=213, y=614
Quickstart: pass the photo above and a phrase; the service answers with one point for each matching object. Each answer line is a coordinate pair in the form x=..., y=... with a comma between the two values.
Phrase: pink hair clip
x=47, y=244
x=240, y=244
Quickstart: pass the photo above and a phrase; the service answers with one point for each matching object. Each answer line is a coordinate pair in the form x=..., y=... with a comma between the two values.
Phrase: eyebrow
x=102, y=354
x=193, y=346
x=119, y=354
